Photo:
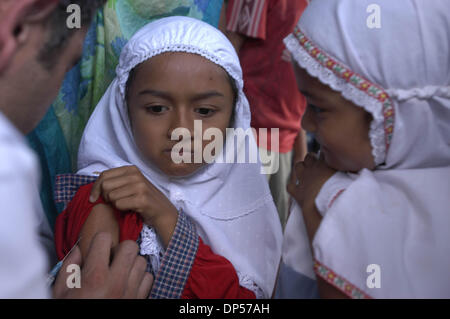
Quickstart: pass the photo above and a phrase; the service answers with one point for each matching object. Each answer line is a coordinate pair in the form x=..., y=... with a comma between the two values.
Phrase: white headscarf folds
x=230, y=204
x=385, y=233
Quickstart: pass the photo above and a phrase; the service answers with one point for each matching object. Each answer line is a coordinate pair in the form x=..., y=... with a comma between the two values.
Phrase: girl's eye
x=204, y=111
x=156, y=109
x=314, y=108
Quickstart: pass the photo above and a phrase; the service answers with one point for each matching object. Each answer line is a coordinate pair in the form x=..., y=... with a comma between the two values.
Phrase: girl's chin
x=181, y=170
x=342, y=167
x=331, y=161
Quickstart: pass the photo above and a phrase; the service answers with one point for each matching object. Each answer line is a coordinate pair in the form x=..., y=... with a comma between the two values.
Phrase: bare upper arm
x=101, y=219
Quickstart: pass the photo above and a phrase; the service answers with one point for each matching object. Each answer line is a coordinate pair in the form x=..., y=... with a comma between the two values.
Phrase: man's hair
x=58, y=31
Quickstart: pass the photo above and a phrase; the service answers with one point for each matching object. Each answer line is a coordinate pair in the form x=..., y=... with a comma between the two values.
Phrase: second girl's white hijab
x=393, y=220
x=230, y=204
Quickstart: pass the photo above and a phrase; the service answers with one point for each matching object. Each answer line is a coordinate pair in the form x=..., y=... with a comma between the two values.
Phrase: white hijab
x=230, y=204
x=397, y=216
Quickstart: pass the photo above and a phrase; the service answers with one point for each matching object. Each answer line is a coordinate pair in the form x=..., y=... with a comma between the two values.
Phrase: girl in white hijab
x=223, y=239
x=375, y=205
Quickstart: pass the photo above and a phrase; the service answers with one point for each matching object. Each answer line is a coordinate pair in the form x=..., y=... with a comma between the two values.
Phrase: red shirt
x=211, y=277
x=269, y=81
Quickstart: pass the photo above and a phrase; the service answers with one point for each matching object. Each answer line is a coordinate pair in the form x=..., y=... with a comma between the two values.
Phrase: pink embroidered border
x=354, y=79
x=339, y=282
x=335, y=197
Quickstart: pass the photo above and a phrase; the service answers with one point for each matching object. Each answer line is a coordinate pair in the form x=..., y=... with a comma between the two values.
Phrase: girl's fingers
x=124, y=191
x=291, y=187
x=132, y=203
x=97, y=187
x=110, y=179
x=292, y=180
x=118, y=185
x=309, y=159
x=321, y=156
x=299, y=168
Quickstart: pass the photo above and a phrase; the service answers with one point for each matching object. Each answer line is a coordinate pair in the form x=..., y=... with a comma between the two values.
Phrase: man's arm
x=23, y=263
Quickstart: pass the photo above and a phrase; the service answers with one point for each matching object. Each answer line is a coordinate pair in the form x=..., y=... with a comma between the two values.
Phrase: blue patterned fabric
x=67, y=185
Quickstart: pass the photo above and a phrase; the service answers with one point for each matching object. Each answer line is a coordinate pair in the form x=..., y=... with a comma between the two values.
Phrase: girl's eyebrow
x=156, y=93
x=206, y=95
x=167, y=96
x=313, y=96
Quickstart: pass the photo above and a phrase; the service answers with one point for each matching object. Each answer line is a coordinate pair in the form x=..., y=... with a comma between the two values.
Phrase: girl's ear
x=15, y=17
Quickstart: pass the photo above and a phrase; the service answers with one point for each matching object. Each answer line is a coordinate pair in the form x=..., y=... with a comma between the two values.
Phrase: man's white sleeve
x=23, y=262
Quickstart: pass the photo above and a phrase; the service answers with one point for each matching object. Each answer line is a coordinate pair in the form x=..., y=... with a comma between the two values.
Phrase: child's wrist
x=164, y=224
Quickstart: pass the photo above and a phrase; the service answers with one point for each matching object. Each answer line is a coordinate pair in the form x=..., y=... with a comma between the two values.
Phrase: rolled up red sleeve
x=70, y=222
x=200, y=272
x=213, y=277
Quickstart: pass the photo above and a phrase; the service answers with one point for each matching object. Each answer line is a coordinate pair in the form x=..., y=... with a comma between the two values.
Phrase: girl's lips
x=181, y=152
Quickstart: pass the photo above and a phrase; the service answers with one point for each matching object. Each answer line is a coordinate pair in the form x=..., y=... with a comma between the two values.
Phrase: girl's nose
x=180, y=120
x=308, y=122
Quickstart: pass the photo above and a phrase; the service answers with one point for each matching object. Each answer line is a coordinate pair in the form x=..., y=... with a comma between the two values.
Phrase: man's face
x=38, y=86
x=28, y=87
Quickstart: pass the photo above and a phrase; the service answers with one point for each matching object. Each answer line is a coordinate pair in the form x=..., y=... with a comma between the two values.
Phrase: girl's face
x=340, y=127
x=170, y=91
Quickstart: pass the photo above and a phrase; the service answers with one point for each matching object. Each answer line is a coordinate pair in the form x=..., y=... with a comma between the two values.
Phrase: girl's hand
x=309, y=177
x=126, y=189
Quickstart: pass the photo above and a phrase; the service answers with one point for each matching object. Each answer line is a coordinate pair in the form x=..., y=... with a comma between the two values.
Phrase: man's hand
x=125, y=277
x=126, y=189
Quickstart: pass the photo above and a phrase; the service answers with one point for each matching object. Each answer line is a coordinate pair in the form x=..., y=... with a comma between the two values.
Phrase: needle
x=51, y=277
